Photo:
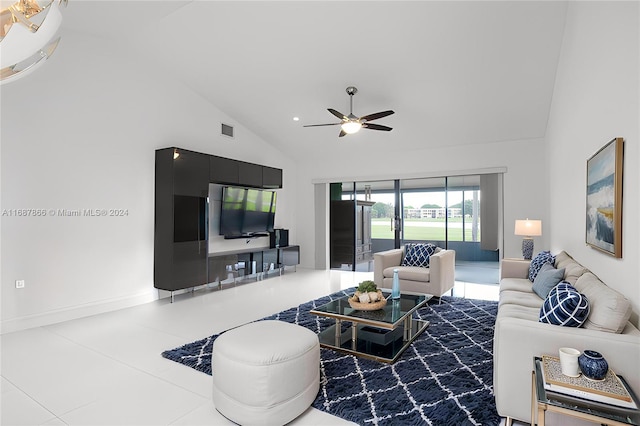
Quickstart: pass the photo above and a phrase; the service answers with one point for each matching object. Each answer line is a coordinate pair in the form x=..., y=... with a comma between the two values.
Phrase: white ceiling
x=455, y=73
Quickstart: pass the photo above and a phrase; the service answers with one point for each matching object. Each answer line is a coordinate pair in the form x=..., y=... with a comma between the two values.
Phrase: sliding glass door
x=465, y=223
x=383, y=229
x=369, y=213
x=445, y=211
x=424, y=216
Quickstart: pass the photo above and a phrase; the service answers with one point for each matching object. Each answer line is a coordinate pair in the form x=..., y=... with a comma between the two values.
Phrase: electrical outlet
x=19, y=283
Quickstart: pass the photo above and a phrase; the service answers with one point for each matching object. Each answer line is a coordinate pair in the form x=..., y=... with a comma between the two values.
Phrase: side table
x=543, y=400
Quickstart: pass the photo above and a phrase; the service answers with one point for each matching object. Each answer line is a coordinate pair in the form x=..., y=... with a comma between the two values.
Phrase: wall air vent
x=227, y=130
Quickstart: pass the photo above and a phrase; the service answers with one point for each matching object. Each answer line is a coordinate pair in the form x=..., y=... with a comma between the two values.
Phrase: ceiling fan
x=352, y=124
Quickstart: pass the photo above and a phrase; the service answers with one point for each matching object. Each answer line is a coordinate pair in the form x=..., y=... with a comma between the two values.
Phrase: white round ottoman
x=266, y=372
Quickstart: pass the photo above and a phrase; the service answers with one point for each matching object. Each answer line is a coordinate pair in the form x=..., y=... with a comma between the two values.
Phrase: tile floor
x=107, y=369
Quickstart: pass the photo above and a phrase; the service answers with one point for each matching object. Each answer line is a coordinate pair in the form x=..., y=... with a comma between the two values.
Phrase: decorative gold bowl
x=354, y=302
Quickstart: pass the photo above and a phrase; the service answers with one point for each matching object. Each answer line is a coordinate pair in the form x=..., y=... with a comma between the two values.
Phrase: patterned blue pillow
x=418, y=254
x=537, y=262
x=565, y=306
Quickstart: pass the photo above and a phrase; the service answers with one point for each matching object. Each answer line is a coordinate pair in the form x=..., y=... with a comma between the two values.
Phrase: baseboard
x=75, y=312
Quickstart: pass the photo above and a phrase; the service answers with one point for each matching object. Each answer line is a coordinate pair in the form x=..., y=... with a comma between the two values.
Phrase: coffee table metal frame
x=356, y=341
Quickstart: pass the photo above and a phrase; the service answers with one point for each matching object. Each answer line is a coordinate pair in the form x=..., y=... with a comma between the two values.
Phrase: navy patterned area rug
x=444, y=378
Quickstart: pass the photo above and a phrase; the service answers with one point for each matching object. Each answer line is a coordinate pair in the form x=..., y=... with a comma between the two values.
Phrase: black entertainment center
x=181, y=234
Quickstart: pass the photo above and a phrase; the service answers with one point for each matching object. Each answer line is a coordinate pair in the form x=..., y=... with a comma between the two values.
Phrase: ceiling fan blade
x=377, y=115
x=318, y=125
x=376, y=127
x=338, y=114
x=342, y=133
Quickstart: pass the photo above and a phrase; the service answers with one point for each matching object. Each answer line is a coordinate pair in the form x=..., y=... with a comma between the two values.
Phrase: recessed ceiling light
x=296, y=118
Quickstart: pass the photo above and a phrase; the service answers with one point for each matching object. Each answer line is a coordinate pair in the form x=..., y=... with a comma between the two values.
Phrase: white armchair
x=437, y=279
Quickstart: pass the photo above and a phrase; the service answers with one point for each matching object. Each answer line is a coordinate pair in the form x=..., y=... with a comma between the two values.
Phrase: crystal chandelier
x=27, y=31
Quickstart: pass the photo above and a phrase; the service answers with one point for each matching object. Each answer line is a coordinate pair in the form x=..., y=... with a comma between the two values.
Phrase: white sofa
x=437, y=279
x=519, y=336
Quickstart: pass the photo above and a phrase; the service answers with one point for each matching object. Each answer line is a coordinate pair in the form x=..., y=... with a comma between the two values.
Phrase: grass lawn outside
x=421, y=229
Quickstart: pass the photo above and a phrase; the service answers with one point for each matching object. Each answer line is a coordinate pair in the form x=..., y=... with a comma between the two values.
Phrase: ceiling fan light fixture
x=27, y=32
x=351, y=127
x=351, y=123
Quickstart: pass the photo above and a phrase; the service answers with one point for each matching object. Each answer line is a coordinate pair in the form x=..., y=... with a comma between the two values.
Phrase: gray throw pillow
x=547, y=278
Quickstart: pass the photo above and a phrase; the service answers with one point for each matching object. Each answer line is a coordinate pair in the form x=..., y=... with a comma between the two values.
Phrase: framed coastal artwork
x=604, y=199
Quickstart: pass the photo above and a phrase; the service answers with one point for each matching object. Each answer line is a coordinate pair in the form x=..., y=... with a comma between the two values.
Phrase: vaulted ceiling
x=455, y=73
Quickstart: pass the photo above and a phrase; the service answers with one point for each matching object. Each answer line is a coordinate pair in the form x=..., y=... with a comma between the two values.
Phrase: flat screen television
x=246, y=212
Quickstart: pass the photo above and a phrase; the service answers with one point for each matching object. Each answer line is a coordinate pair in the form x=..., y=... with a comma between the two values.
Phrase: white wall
x=525, y=182
x=595, y=100
x=80, y=133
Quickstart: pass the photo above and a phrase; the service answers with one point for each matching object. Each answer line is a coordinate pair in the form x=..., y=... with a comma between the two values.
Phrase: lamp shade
x=528, y=228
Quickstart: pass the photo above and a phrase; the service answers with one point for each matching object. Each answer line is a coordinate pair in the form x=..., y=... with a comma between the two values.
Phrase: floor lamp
x=528, y=229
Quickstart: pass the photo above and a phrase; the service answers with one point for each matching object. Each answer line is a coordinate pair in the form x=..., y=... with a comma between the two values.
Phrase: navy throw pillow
x=418, y=254
x=565, y=306
x=537, y=262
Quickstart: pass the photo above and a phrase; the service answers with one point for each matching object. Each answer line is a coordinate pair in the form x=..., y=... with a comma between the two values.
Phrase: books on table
x=611, y=390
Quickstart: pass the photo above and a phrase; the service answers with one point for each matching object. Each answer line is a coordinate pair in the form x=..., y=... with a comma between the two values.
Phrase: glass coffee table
x=382, y=335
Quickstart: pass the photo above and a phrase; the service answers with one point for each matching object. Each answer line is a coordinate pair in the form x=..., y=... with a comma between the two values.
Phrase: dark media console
x=259, y=263
x=181, y=236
